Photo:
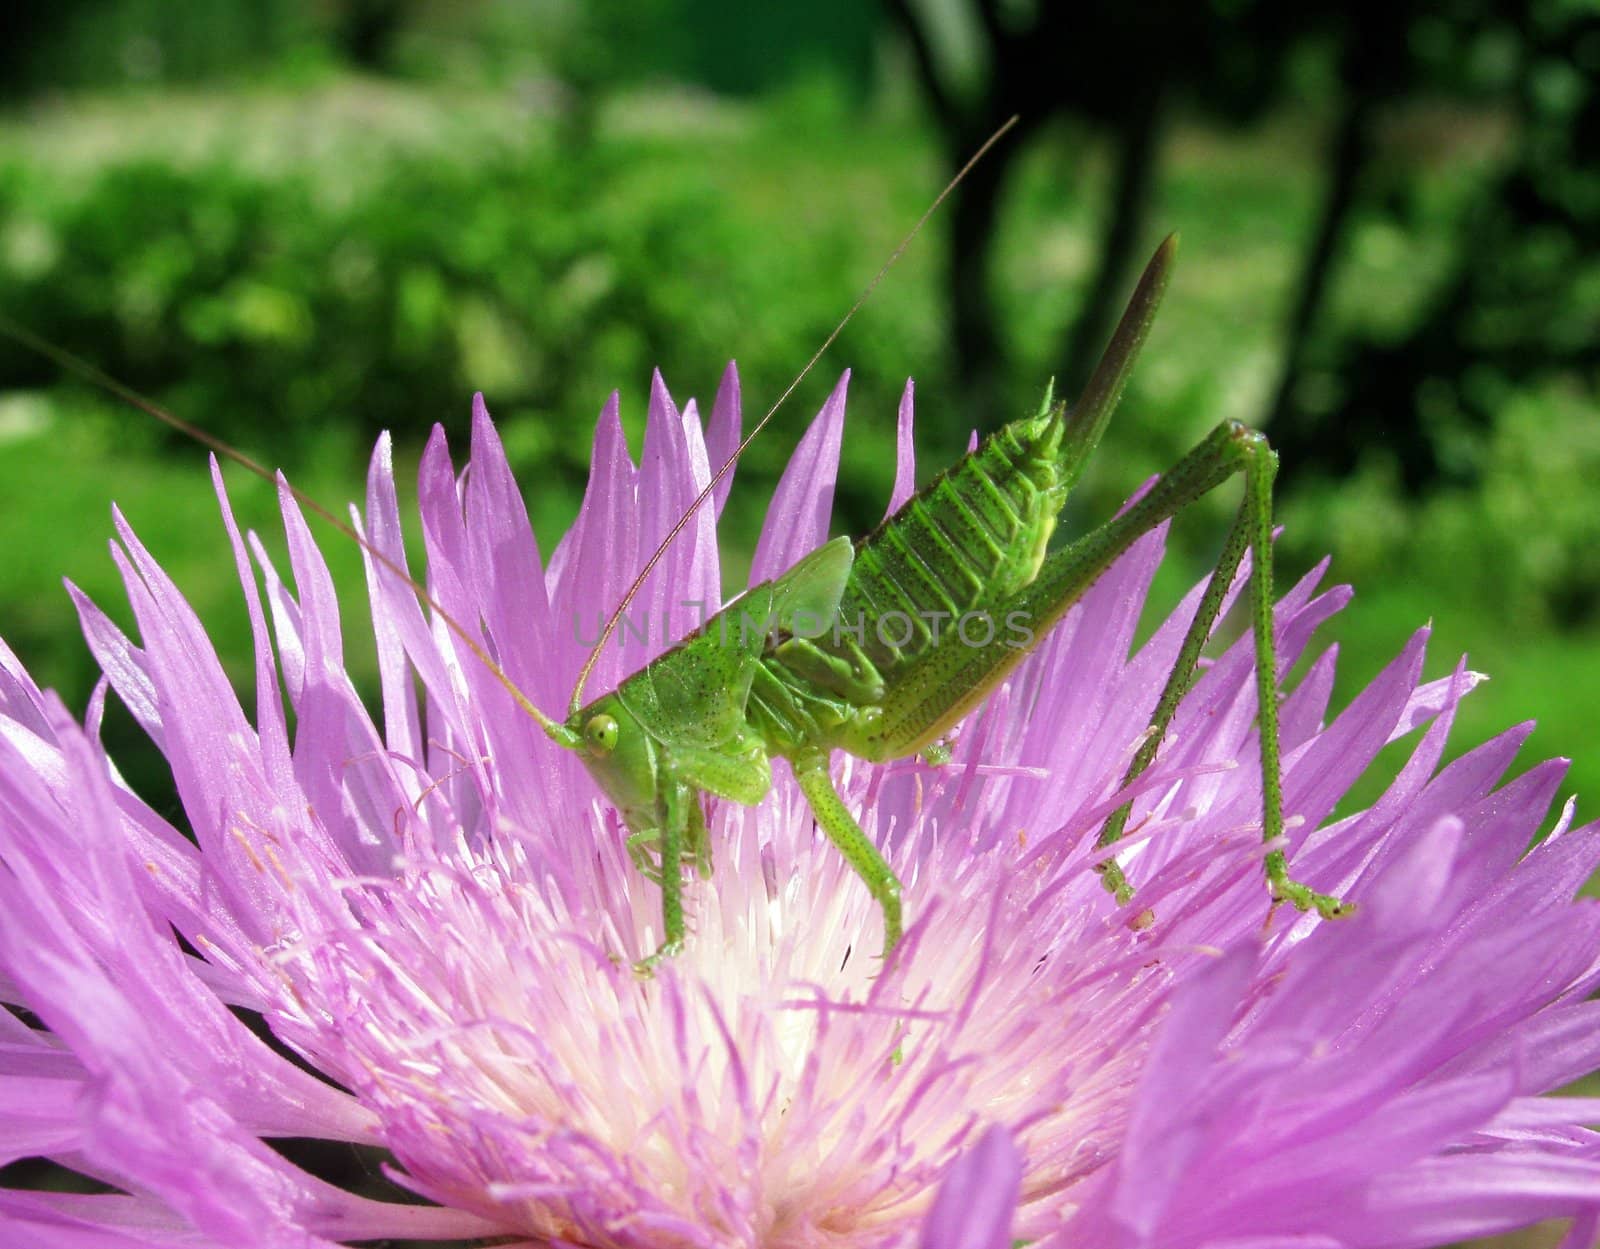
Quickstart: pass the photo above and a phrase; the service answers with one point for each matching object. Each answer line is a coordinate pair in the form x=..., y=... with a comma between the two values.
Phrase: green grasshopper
x=802, y=666
x=708, y=716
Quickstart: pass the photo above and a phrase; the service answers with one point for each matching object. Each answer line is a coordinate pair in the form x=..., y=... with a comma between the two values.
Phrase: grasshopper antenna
x=716, y=478
x=82, y=368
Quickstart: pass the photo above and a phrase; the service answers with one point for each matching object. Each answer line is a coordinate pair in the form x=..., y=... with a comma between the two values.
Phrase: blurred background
x=298, y=222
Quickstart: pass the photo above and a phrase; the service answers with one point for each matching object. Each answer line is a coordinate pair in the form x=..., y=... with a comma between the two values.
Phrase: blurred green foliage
x=297, y=295
x=534, y=201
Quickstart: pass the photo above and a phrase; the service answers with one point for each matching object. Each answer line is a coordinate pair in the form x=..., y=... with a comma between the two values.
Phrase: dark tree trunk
x=1138, y=142
x=367, y=29
x=980, y=355
x=1297, y=434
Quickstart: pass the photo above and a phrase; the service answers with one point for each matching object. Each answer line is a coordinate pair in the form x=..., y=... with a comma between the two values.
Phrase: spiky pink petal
x=438, y=914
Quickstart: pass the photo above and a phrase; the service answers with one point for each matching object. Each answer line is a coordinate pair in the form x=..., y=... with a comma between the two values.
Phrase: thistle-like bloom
x=436, y=916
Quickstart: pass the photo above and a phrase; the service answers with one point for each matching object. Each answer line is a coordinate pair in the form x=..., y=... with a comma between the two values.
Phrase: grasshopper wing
x=806, y=597
x=694, y=695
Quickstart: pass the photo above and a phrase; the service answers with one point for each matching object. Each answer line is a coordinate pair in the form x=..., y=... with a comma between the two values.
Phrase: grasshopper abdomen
x=928, y=585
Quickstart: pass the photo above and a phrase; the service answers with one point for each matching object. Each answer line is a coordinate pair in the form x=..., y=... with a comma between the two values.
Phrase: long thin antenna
x=82, y=368
x=699, y=500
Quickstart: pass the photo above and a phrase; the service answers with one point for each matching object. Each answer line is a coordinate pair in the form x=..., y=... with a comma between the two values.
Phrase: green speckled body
x=927, y=592
x=880, y=647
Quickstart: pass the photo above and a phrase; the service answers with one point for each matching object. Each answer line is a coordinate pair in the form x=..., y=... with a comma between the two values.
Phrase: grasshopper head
x=619, y=754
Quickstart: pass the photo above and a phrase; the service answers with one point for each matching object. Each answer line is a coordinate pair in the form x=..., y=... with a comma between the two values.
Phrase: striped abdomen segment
x=962, y=545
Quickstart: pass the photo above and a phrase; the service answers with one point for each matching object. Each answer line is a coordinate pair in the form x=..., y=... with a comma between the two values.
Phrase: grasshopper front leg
x=642, y=846
x=679, y=805
x=811, y=771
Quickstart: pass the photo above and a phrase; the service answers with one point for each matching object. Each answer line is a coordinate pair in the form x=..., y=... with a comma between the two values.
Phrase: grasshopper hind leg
x=1231, y=448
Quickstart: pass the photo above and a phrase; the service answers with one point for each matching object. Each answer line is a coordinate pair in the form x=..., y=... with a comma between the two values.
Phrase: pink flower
x=435, y=914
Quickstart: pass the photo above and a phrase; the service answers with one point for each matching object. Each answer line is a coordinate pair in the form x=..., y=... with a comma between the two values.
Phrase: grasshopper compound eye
x=601, y=734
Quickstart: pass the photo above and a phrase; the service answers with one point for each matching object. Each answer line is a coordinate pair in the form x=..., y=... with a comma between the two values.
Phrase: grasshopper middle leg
x=811, y=771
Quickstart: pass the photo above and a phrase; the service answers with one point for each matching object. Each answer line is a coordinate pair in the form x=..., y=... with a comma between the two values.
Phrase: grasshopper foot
x=645, y=968
x=1122, y=893
x=1115, y=882
x=891, y=938
x=1304, y=899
